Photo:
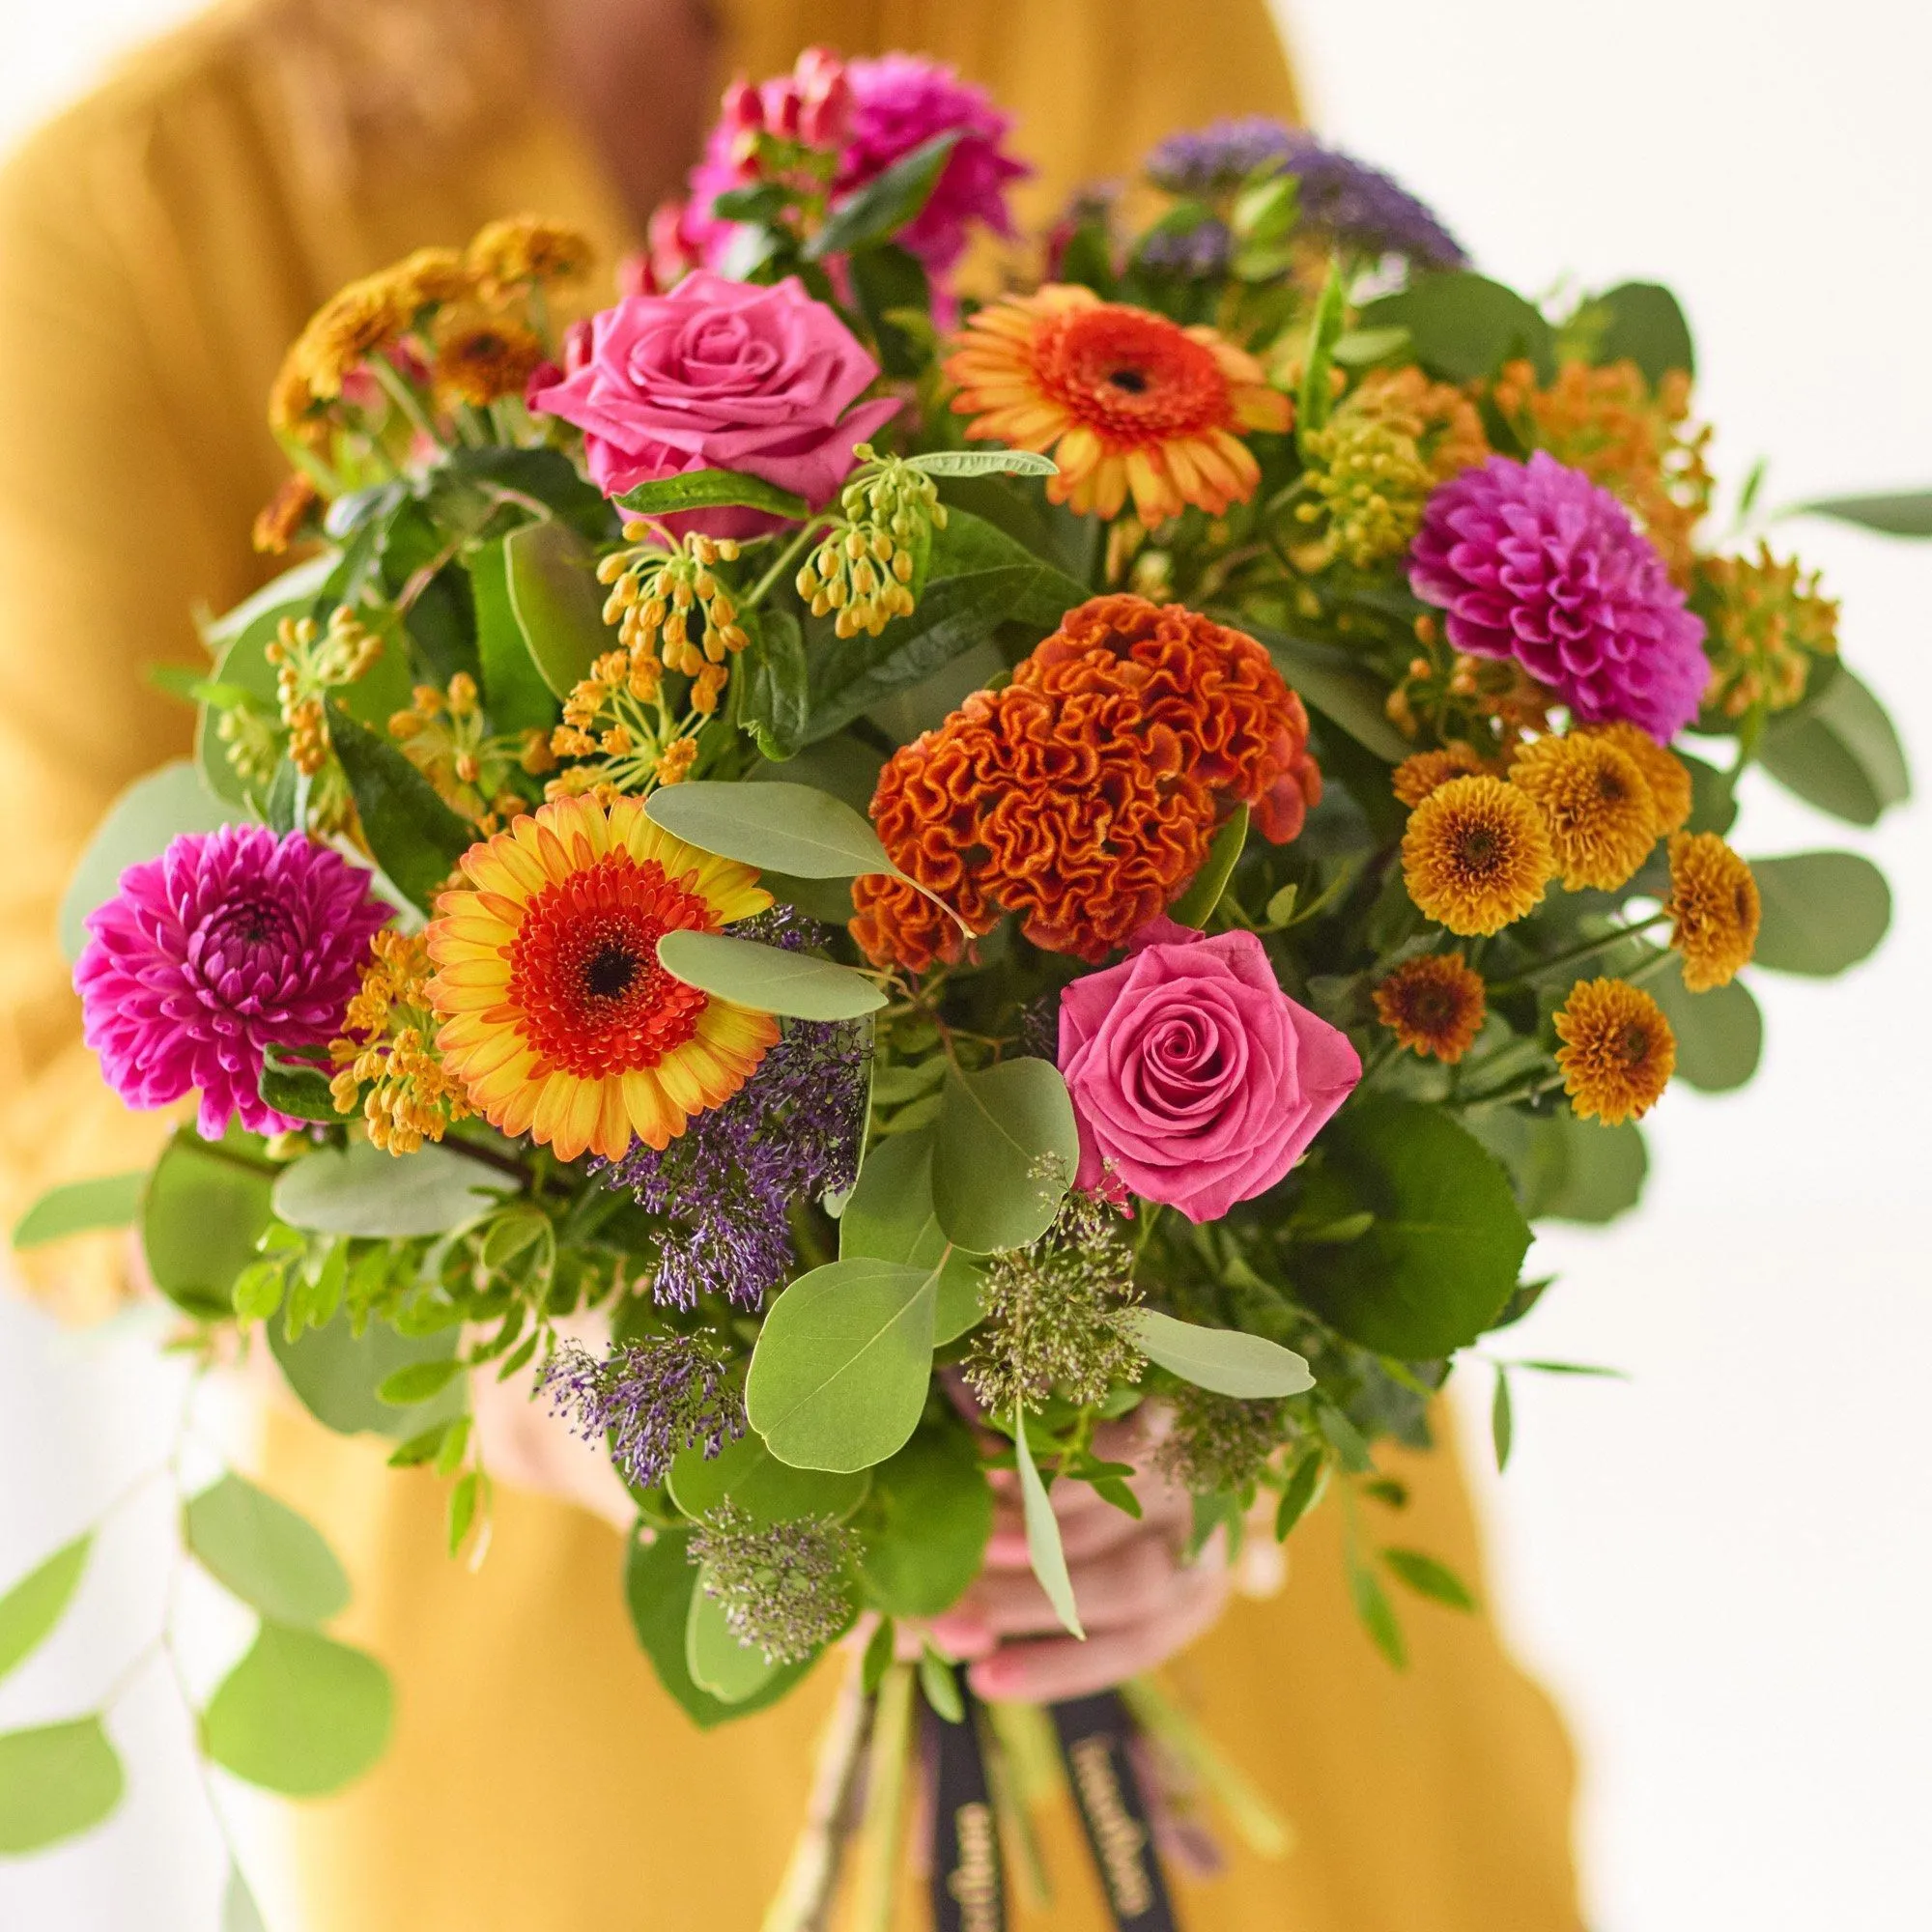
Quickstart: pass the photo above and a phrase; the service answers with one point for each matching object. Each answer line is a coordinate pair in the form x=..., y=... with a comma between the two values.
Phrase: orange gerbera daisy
x=557, y=1018
x=1125, y=399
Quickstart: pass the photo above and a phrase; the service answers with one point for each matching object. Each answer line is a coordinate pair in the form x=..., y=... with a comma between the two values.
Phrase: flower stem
x=783, y=561
x=1588, y=950
x=398, y=392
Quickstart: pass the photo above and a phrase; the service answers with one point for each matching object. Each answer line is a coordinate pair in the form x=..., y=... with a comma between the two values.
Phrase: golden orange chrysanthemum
x=480, y=357
x=1713, y=909
x=281, y=519
x=1617, y=1052
x=1476, y=855
x=428, y=278
x=1125, y=399
x=557, y=1018
x=1596, y=805
x=529, y=248
x=1435, y=1004
x=1664, y=771
x=1425, y=772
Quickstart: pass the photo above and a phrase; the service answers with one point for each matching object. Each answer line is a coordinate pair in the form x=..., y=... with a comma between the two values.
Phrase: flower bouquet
x=908, y=843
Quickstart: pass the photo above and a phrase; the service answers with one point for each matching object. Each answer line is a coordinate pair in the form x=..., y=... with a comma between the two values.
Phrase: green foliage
x=776, y=826
x=55, y=1782
x=206, y=1206
x=1197, y=903
x=766, y=1489
x=712, y=490
x=984, y=463
x=891, y=1217
x=925, y=1526
x=550, y=584
x=1331, y=682
x=262, y=1551
x=1300, y=1493
x=515, y=693
x=1045, y=1548
x=335, y=1373
x=1003, y=1155
x=1564, y=1169
x=1229, y=1361
x=140, y=824
x=1464, y=327
x=416, y=837
x=238, y=1911
x=1441, y=1257
x=1502, y=1419
x=417, y=1382
x=730, y=1671
x=940, y=1686
x=1719, y=1033
x=1314, y=399
x=767, y=980
x=80, y=1207
x=296, y=1088
x=1375, y=1610
x=773, y=682
x=839, y=1377
x=358, y=1189
x=30, y=1610
x=1643, y=324
x=884, y=204
x=1908, y=513
x=1838, y=751
x=1823, y=911
x=300, y=1714
x=1429, y=1578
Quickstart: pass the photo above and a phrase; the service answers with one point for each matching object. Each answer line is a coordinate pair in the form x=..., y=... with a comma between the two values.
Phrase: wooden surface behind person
x=158, y=247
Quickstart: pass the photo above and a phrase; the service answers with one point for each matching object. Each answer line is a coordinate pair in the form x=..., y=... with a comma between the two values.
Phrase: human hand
x=1139, y=1603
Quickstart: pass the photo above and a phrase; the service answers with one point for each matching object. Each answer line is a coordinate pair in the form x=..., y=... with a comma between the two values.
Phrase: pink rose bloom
x=719, y=375
x=1196, y=1080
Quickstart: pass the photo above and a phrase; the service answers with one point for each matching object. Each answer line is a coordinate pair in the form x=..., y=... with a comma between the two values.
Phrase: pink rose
x=1196, y=1080
x=720, y=374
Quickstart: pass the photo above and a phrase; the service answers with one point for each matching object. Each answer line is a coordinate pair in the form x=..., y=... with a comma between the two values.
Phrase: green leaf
x=550, y=574
x=767, y=980
x=358, y=1189
x=896, y=300
x=1226, y=1360
x=729, y=1670
x=80, y=1207
x=417, y=1382
x=1430, y=1579
x=766, y=1489
x=1335, y=684
x=1300, y=1493
x=884, y=204
x=416, y=837
x=1906, y=512
x=1719, y=1033
x=1462, y=326
x=1502, y=1421
x=777, y=827
x=335, y=1373
x=923, y=1529
x=262, y=1551
x=712, y=490
x=238, y=1911
x=1003, y=1154
x=428, y=1444
x=1204, y=891
x=296, y=1088
x=516, y=692
x=880, y=1647
x=300, y=1714
x=1377, y=1613
x=774, y=684
x=984, y=463
x=1044, y=1549
x=1565, y=1169
x=463, y=1500
x=142, y=823
x=1823, y=912
x=36, y=1603
x=891, y=1217
x=205, y=1208
x=1314, y=398
x=1838, y=751
x=1645, y=325
x=55, y=1782
x=839, y=1373
x=658, y=1584
x=1442, y=1256
x=941, y=1688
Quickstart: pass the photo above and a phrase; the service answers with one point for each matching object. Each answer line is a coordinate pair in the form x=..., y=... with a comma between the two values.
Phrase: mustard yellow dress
x=160, y=244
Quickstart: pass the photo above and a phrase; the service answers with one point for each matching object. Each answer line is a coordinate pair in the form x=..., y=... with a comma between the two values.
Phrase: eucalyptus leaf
x=923, y=1528
x=767, y=980
x=776, y=826
x=839, y=1377
x=729, y=1670
x=335, y=1373
x=56, y=1781
x=80, y=1207
x=1719, y=1033
x=713, y=490
x=1906, y=512
x=1644, y=325
x=1003, y=1154
x=34, y=1607
x=205, y=1208
x=984, y=463
x=1226, y=1360
x=1045, y=1548
x=359, y=1189
x=300, y=1714
x=1823, y=912
x=1462, y=326
x=891, y=1217
x=1839, y=751
x=549, y=578
x=262, y=1551
x=769, y=1491
x=1564, y=1168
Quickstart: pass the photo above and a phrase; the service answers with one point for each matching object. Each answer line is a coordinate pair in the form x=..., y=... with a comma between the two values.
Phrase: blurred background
x=1718, y=1565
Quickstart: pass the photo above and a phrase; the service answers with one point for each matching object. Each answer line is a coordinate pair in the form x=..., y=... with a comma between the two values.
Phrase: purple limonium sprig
x=792, y=1132
x=1358, y=204
x=650, y=1400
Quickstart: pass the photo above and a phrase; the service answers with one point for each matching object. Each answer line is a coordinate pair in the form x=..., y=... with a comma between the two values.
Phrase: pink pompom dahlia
x=231, y=942
x=1536, y=562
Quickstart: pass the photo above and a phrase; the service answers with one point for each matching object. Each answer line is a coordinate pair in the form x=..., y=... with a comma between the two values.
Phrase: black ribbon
x=968, y=1889
x=1094, y=1736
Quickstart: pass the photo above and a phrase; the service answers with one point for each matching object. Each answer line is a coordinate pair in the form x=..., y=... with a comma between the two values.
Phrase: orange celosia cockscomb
x=1083, y=796
x=557, y=1016
x=1128, y=402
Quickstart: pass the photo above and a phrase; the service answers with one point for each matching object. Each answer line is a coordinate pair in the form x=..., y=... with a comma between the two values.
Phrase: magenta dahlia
x=231, y=942
x=1534, y=561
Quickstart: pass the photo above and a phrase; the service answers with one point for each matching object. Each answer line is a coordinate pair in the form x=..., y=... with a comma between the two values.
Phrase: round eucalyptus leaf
x=55, y=1781
x=746, y=1473
x=891, y=1217
x=263, y=1552
x=1003, y=1154
x=1226, y=1360
x=718, y=1662
x=205, y=1208
x=923, y=1528
x=358, y=1189
x=1719, y=1033
x=776, y=826
x=767, y=980
x=300, y=1714
x=1823, y=912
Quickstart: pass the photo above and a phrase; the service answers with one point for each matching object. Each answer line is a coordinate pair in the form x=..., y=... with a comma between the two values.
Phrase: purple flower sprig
x=650, y=1400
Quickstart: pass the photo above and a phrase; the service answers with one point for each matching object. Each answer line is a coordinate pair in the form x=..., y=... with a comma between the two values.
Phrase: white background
x=1721, y=1566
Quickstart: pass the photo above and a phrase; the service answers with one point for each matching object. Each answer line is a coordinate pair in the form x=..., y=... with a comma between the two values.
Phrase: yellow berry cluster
x=1767, y=621
x=864, y=569
x=658, y=600
x=311, y=662
x=444, y=735
x=387, y=1045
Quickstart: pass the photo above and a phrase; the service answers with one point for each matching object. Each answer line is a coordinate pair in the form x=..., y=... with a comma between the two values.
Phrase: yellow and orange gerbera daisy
x=1123, y=399
x=557, y=1018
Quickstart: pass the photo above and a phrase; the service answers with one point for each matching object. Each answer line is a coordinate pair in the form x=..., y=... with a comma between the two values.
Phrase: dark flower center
x=1481, y=848
x=1635, y=1046
x=1133, y=380
x=610, y=971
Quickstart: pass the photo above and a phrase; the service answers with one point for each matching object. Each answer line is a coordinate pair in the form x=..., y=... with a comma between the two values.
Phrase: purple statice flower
x=1536, y=562
x=792, y=1132
x=1200, y=251
x=1345, y=197
x=650, y=1400
x=231, y=942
